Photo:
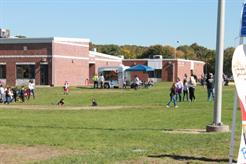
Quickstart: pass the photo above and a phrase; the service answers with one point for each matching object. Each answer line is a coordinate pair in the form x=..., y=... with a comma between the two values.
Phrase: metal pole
x=219, y=62
x=233, y=126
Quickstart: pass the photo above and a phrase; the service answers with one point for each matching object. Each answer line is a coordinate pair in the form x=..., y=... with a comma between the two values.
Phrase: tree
x=228, y=53
x=188, y=52
x=156, y=50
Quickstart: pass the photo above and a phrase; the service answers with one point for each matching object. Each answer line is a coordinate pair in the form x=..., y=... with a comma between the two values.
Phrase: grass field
x=128, y=126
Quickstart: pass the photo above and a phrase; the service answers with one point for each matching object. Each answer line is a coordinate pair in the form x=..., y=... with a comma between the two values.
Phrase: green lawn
x=137, y=132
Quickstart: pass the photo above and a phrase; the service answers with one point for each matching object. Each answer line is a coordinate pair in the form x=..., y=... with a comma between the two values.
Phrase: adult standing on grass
x=193, y=75
x=192, y=86
x=7, y=95
x=172, y=96
x=66, y=88
x=136, y=82
x=95, y=81
x=185, y=89
x=101, y=80
x=210, y=86
x=2, y=93
x=31, y=87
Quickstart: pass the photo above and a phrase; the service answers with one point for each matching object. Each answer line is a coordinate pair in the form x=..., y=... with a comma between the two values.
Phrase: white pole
x=219, y=62
x=217, y=125
x=233, y=126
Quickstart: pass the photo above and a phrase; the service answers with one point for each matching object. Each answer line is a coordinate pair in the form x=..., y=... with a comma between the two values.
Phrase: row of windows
x=28, y=72
x=23, y=71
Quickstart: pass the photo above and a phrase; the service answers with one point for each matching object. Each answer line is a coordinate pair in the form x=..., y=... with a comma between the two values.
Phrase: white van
x=114, y=76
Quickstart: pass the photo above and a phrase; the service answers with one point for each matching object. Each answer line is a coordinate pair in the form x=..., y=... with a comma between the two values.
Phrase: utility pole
x=217, y=125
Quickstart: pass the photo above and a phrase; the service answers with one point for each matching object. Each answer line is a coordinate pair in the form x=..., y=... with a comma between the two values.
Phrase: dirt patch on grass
x=22, y=154
x=55, y=107
x=185, y=131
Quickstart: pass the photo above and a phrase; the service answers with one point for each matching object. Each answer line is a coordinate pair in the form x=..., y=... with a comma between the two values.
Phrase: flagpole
x=217, y=125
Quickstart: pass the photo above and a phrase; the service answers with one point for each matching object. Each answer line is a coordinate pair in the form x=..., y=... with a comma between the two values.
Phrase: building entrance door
x=44, y=74
x=92, y=70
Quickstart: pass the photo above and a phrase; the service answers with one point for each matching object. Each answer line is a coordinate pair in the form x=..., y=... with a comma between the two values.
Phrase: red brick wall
x=167, y=70
x=184, y=67
x=11, y=68
x=10, y=73
x=70, y=50
x=180, y=67
x=72, y=69
x=100, y=63
x=134, y=62
x=198, y=69
x=32, y=49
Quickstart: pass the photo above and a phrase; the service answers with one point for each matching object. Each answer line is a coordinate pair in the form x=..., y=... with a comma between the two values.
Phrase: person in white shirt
x=2, y=93
x=185, y=90
x=101, y=80
x=66, y=88
x=31, y=87
x=136, y=82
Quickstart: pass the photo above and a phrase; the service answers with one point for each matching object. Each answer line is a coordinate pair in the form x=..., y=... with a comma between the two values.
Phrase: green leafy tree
x=156, y=50
x=228, y=53
x=188, y=52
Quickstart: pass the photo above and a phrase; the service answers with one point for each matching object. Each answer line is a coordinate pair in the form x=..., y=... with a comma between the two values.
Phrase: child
x=66, y=88
x=172, y=96
x=185, y=90
x=61, y=102
x=179, y=89
x=94, y=103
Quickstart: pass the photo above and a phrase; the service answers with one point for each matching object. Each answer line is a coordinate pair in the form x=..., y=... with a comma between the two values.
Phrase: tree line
x=191, y=52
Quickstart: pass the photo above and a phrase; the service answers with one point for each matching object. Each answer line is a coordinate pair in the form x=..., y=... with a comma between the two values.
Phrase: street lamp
x=175, y=58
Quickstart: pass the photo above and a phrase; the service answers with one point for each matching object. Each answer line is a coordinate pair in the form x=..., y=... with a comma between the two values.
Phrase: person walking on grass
x=210, y=86
x=172, y=96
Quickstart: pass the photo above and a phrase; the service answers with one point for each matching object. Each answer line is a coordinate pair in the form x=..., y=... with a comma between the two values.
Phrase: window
x=3, y=71
x=155, y=74
x=25, y=71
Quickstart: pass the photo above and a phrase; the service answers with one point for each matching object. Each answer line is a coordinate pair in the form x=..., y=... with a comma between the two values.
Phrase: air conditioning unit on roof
x=4, y=33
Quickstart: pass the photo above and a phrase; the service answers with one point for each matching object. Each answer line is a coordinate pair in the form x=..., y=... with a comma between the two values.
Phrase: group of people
x=185, y=90
x=66, y=90
x=13, y=94
x=98, y=81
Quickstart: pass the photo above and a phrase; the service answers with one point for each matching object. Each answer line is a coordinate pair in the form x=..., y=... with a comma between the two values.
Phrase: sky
x=139, y=22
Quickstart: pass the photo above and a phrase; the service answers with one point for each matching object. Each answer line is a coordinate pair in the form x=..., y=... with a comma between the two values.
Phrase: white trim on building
x=25, y=63
x=97, y=54
x=184, y=60
x=41, y=40
x=70, y=57
x=71, y=44
x=25, y=56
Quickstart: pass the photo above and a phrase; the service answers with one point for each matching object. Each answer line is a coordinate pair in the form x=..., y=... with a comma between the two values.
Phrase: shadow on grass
x=186, y=158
